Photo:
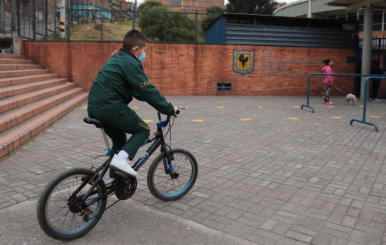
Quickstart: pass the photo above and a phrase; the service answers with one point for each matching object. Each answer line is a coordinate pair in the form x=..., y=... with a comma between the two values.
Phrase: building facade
x=319, y=9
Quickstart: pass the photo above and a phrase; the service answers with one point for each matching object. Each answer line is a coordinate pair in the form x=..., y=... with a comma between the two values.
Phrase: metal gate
x=378, y=53
x=30, y=19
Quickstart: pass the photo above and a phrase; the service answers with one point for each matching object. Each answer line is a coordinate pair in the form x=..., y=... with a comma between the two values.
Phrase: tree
x=146, y=6
x=205, y=22
x=166, y=27
x=251, y=6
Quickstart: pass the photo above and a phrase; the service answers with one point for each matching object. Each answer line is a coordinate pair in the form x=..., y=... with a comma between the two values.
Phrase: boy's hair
x=134, y=38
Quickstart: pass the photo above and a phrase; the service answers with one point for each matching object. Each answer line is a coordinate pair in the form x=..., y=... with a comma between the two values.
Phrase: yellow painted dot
x=361, y=106
x=330, y=106
x=336, y=117
x=375, y=116
x=136, y=107
x=220, y=107
x=198, y=120
x=260, y=107
x=85, y=107
x=296, y=107
x=293, y=118
x=148, y=121
x=246, y=119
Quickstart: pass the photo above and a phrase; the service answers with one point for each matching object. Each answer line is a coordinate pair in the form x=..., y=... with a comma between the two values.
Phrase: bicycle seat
x=94, y=121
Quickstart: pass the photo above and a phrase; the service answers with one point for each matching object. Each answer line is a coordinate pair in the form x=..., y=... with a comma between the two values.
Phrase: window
x=350, y=27
x=377, y=18
x=176, y=2
x=352, y=17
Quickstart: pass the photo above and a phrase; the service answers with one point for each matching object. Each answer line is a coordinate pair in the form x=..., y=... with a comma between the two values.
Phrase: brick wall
x=188, y=69
x=375, y=34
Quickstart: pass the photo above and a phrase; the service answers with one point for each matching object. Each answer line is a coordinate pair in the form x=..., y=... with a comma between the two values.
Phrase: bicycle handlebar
x=177, y=113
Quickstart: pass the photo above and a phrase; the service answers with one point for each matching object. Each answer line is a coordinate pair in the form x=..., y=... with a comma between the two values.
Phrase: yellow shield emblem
x=243, y=61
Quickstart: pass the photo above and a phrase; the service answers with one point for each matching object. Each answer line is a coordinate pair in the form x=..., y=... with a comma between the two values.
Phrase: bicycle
x=83, y=193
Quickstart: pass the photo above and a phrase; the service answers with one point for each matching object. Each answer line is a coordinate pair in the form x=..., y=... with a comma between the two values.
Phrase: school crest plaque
x=243, y=61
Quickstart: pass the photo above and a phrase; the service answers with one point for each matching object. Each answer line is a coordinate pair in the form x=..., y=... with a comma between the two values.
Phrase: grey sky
x=280, y=1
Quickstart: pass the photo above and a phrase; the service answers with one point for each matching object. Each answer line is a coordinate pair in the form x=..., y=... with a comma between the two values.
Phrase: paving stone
x=349, y=221
x=286, y=241
x=323, y=239
x=299, y=236
x=248, y=222
x=275, y=181
x=281, y=228
x=303, y=230
x=268, y=225
x=19, y=197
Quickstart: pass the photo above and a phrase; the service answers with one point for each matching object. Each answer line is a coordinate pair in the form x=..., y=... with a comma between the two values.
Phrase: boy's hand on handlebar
x=176, y=109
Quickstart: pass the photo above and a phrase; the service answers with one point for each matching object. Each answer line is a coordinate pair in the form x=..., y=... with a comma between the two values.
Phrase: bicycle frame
x=157, y=138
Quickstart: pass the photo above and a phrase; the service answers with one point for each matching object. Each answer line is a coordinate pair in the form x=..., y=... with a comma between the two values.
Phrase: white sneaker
x=377, y=100
x=123, y=165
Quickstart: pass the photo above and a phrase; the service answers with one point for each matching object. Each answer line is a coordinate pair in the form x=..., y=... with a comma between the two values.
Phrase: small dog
x=351, y=99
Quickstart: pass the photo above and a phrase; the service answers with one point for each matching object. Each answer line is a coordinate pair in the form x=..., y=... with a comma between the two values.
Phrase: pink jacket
x=328, y=79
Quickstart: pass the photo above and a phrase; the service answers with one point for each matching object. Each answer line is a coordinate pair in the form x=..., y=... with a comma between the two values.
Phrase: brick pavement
x=270, y=180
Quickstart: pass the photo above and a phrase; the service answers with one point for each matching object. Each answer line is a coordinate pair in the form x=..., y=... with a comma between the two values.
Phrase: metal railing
x=369, y=76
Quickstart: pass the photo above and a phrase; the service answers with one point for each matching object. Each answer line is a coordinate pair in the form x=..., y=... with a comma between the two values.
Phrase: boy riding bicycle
x=119, y=80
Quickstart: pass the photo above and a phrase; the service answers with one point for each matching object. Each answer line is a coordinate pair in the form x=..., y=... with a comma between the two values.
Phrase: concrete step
x=12, y=67
x=12, y=139
x=25, y=88
x=11, y=56
x=19, y=73
x=15, y=61
x=19, y=115
x=8, y=81
x=23, y=99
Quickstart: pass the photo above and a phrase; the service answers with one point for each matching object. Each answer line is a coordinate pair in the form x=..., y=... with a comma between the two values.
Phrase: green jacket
x=121, y=79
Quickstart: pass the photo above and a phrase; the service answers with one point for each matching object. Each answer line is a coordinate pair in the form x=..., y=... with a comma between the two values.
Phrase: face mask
x=332, y=64
x=142, y=57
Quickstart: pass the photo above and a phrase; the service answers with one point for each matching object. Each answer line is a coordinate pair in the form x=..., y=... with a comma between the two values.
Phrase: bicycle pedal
x=122, y=174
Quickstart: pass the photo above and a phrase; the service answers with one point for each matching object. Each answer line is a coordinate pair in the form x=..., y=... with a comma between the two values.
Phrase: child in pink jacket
x=328, y=81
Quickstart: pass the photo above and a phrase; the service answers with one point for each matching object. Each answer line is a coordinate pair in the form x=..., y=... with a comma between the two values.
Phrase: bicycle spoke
x=64, y=218
x=58, y=211
x=165, y=184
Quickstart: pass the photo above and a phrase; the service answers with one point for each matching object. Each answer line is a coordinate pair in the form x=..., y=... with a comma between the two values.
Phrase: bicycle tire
x=44, y=222
x=174, y=196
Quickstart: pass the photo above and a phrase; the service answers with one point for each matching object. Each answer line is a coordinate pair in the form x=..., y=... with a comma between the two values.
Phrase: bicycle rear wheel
x=64, y=217
x=170, y=187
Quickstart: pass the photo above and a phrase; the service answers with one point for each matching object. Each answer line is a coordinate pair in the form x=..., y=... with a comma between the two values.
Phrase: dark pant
x=375, y=89
x=327, y=91
x=117, y=124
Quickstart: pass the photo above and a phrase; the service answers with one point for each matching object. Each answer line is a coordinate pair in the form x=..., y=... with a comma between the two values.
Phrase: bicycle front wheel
x=61, y=214
x=168, y=186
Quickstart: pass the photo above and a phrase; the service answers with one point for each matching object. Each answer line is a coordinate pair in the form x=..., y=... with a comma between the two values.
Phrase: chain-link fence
x=170, y=27
x=98, y=20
